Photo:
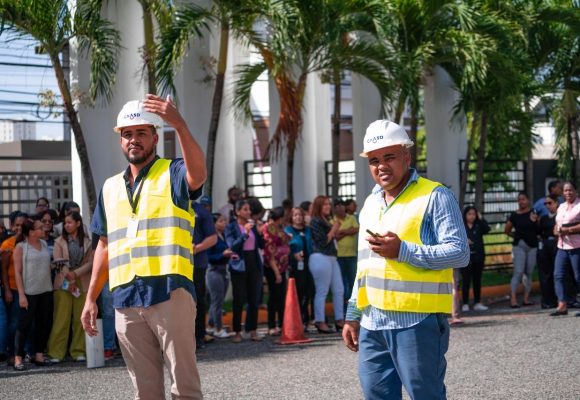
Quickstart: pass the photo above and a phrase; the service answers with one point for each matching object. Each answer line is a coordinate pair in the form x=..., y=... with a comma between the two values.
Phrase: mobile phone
x=373, y=234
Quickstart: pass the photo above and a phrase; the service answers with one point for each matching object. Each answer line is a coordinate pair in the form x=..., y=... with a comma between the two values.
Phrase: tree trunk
x=336, y=135
x=290, y=174
x=413, y=133
x=466, y=165
x=149, y=48
x=78, y=133
x=216, y=106
x=480, y=164
x=400, y=108
x=573, y=140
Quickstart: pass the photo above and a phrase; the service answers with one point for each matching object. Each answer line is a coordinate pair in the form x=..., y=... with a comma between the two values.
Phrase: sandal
x=19, y=367
x=44, y=363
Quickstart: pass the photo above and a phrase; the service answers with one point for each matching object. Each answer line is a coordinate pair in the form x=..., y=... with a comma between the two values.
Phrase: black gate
x=502, y=181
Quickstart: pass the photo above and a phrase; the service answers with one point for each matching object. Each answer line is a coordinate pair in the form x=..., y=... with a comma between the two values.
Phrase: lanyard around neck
x=134, y=200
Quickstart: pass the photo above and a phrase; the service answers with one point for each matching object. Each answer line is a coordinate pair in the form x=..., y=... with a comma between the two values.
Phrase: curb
x=490, y=294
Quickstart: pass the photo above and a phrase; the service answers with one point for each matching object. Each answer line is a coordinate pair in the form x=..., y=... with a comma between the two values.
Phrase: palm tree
x=426, y=33
x=162, y=11
x=296, y=40
x=351, y=43
x=55, y=24
x=191, y=21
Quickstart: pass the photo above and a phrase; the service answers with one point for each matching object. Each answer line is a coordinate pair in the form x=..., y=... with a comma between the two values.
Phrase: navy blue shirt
x=204, y=227
x=150, y=290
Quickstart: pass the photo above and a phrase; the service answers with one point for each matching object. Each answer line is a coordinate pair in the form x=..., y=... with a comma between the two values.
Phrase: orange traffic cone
x=292, y=329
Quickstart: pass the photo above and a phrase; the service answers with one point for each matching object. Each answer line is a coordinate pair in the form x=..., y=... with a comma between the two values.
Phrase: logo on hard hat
x=132, y=115
x=374, y=139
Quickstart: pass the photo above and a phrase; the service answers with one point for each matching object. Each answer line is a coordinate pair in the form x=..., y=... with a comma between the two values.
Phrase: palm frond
x=188, y=22
x=246, y=76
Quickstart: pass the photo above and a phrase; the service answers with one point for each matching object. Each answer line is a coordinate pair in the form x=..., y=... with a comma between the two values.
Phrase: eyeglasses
x=46, y=221
x=42, y=205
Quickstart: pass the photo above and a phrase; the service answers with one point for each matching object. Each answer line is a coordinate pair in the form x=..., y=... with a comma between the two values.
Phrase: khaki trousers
x=67, y=308
x=157, y=335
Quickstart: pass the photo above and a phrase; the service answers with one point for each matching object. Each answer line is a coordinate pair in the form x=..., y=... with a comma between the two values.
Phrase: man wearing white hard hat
x=412, y=235
x=145, y=223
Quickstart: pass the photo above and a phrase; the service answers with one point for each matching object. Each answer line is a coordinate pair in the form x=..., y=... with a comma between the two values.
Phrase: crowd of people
x=46, y=262
x=314, y=243
x=47, y=259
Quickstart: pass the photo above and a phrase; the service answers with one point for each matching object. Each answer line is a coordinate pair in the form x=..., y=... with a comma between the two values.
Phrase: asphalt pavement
x=498, y=354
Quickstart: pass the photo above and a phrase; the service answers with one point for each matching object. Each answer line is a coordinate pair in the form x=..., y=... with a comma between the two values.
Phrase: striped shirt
x=444, y=246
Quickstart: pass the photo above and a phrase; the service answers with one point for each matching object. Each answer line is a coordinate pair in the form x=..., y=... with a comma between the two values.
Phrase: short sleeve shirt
x=151, y=290
x=204, y=227
x=347, y=246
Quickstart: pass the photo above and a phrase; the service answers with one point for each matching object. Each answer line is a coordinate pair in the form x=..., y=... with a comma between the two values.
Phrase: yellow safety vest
x=162, y=243
x=391, y=285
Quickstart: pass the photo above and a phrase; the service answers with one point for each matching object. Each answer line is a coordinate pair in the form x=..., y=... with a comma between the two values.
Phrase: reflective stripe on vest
x=163, y=242
x=391, y=285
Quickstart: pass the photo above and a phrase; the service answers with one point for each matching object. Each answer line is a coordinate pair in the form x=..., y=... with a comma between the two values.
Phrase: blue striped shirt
x=444, y=246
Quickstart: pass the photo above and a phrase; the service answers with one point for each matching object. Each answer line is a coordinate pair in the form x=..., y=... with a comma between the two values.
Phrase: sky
x=24, y=74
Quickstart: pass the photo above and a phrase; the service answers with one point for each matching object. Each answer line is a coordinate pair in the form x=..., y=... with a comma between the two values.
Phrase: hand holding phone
x=373, y=234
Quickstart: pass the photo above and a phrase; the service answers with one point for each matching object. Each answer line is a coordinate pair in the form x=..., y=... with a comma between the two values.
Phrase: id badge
x=132, y=227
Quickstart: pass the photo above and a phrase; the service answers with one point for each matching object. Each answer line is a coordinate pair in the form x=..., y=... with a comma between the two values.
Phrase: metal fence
x=20, y=190
x=503, y=180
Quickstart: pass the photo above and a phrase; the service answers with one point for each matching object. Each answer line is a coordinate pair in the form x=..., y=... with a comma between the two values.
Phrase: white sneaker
x=465, y=308
x=80, y=358
x=480, y=307
x=210, y=331
x=221, y=334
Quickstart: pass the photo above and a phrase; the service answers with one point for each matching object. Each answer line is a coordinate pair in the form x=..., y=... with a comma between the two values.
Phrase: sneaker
x=480, y=307
x=55, y=360
x=465, y=308
x=80, y=358
x=221, y=334
x=28, y=358
x=109, y=355
x=210, y=331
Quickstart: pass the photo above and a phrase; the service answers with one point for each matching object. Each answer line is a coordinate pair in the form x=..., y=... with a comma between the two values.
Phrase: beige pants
x=163, y=333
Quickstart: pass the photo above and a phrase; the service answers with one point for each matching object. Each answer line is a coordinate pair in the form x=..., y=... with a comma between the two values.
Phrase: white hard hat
x=384, y=133
x=133, y=114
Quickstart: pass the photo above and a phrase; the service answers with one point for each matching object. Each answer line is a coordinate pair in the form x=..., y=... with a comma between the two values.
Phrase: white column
x=278, y=165
x=446, y=135
x=315, y=146
x=366, y=108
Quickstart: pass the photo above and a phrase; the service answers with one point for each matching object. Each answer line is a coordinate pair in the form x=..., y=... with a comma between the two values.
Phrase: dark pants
x=566, y=259
x=411, y=357
x=546, y=258
x=348, y=272
x=276, y=299
x=246, y=289
x=472, y=272
x=305, y=289
x=39, y=312
x=199, y=283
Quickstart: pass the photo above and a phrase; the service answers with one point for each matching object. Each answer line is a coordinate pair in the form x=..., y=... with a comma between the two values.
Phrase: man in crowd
x=554, y=188
x=397, y=314
x=145, y=224
x=204, y=237
x=234, y=194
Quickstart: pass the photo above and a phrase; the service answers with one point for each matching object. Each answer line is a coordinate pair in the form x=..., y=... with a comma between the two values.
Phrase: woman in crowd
x=568, y=231
x=523, y=228
x=324, y=266
x=346, y=237
x=42, y=204
x=245, y=265
x=301, y=248
x=9, y=290
x=32, y=269
x=276, y=251
x=547, y=249
x=476, y=227
x=70, y=286
x=217, y=276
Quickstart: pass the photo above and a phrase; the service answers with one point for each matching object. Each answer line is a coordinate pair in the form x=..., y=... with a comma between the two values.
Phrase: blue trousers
x=108, y=315
x=565, y=259
x=3, y=325
x=412, y=357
